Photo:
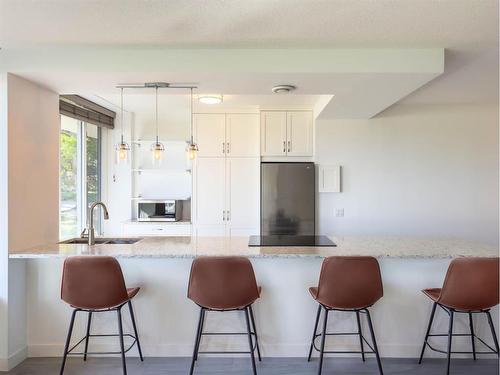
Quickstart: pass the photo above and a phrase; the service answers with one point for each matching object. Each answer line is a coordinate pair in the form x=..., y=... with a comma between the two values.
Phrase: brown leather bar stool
x=470, y=287
x=224, y=284
x=347, y=284
x=94, y=285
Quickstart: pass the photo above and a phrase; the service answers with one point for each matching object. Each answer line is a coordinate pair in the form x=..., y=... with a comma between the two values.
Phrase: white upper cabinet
x=227, y=135
x=273, y=133
x=286, y=133
x=210, y=134
x=242, y=135
x=299, y=131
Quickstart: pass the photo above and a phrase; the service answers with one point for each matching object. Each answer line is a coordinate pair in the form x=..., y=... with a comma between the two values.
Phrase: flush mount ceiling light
x=210, y=99
x=283, y=89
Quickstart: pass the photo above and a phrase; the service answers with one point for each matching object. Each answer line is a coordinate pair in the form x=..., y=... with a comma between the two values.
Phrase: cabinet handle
x=223, y=215
x=227, y=148
x=289, y=146
x=228, y=218
x=284, y=146
x=223, y=147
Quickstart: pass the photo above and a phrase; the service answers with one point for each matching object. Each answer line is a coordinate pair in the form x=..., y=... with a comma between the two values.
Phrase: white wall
x=29, y=197
x=34, y=125
x=116, y=179
x=423, y=170
x=4, y=223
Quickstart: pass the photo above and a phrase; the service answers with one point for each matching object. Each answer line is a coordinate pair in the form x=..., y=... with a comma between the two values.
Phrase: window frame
x=81, y=177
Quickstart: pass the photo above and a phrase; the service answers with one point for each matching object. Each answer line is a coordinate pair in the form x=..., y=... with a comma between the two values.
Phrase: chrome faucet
x=90, y=226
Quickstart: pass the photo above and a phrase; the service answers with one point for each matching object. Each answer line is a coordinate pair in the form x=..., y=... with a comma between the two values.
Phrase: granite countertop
x=190, y=247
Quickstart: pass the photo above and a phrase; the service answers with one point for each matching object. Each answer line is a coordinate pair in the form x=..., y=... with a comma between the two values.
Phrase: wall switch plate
x=339, y=212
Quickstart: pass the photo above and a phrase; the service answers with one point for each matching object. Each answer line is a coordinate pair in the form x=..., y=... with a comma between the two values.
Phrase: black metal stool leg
x=471, y=325
x=197, y=341
x=87, y=336
x=132, y=317
x=250, y=342
x=492, y=328
x=68, y=340
x=375, y=347
x=201, y=334
x=360, y=336
x=323, y=339
x=428, y=332
x=255, y=331
x=122, y=346
x=450, y=336
x=314, y=333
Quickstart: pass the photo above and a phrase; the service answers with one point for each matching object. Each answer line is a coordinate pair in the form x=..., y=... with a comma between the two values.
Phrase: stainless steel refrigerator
x=287, y=203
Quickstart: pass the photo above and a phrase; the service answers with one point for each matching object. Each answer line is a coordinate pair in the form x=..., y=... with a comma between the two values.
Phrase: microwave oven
x=158, y=210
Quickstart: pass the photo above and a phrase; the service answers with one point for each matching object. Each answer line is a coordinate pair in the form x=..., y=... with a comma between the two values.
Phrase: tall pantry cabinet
x=226, y=177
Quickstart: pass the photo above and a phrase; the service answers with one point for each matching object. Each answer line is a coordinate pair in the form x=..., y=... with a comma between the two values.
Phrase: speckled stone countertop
x=190, y=247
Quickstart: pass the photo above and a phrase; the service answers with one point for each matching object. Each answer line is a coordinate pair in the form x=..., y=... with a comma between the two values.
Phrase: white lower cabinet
x=243, y=196
x=137, y=229
x=227, y=196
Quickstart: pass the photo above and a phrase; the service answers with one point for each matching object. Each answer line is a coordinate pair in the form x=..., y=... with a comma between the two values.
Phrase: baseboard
x=7, y=364
x=267, y=350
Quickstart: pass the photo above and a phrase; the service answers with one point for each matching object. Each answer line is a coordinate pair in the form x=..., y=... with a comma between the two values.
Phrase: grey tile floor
x=241, y=366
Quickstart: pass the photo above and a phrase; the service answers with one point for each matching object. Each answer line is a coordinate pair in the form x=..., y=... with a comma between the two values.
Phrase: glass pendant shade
x=157, y=150
x=122, y=149
x=192, y=149
x=122, y=152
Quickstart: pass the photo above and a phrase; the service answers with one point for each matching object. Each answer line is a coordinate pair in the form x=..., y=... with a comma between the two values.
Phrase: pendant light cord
x=156, y=118
x=121, y=114
x=191, y=106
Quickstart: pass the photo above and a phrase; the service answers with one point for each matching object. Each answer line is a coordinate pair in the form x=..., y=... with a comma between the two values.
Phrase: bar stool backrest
x=222, y=283
x=93, y=283
x=349, y=282
x=471, y=284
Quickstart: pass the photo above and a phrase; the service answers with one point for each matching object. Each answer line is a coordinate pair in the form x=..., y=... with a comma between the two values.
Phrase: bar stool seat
x=432, y=293
x=314, y=292
x=132, y=292
x=96, y=285
x=347, y=284
x=471, y=286
x=224, y=284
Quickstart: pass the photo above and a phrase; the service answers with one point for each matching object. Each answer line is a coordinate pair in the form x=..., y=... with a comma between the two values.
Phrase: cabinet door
x=273, y=133
x=209, y=133
x=243, y=196
x=299, y=134
x=242, y=135
x=210, y=195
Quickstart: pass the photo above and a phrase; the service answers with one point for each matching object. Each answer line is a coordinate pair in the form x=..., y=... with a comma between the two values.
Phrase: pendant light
x=192, y=148
x=157, y=148
x=122, y=148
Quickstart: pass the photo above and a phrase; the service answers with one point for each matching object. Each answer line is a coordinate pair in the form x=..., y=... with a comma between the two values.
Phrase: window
x=80, y=175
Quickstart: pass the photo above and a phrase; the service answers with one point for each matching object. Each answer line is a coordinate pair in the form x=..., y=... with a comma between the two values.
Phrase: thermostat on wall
x=329, y=179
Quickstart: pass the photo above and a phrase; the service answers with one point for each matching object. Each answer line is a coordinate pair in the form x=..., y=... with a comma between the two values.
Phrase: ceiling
x=468, y=30
x=251, y=24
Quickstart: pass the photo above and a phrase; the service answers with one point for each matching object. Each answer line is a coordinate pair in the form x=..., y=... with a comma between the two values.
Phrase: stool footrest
x=70, y=351
x=491, y=350
x=343, y=334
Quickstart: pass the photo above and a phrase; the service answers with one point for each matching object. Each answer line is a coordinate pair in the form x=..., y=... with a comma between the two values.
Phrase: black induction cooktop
x=290, y=241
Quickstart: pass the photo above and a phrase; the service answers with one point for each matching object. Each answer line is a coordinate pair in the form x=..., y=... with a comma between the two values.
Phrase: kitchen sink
x=107, y=241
